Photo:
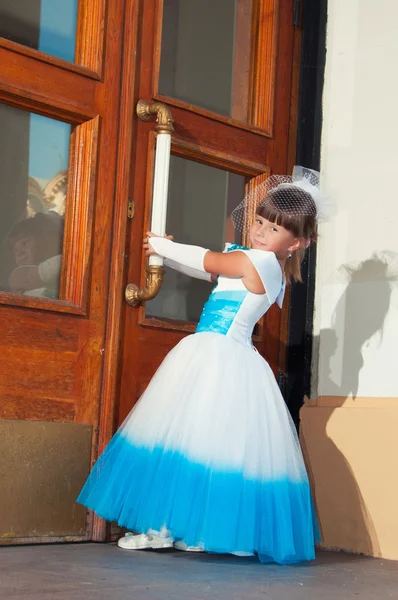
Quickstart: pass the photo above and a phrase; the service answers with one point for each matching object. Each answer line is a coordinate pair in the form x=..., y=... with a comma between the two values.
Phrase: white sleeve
x=195, y=273
x=50, y=269
x=188, y=256
x=270, y=272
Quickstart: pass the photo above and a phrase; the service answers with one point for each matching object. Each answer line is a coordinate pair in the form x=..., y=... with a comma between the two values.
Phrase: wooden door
x=224, y=69
x=60, y=96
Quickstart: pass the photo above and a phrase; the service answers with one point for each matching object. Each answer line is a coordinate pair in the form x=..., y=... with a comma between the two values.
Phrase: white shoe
x=141, y=541
x=182, y=546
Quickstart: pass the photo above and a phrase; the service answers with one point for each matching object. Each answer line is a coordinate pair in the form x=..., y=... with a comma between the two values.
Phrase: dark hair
x=46, y=228
x=295, y=210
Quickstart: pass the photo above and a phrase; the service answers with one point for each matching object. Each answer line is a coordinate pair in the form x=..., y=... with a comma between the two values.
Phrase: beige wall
x=350, y=426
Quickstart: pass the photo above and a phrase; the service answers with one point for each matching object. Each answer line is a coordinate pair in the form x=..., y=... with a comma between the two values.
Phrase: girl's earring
x=290, y=256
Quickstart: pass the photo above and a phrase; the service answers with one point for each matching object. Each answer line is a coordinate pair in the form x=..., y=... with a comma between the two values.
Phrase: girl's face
x=25, y=251
x=265, y=235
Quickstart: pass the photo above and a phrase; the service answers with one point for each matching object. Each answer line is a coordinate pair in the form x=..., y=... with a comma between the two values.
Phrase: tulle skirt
x=210, y=455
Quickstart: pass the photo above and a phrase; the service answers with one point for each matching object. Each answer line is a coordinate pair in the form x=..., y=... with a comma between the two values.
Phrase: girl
x=209, y=458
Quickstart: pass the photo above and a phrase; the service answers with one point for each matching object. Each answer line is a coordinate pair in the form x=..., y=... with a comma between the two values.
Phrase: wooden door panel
x=53, y=350
x=256, y=147
x=253, y=62
x=51, y=90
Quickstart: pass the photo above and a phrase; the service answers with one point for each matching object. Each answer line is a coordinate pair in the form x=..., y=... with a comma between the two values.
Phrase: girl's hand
x=149, y=251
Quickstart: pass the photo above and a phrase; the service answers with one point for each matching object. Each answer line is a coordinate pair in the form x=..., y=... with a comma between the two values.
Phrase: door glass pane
x=205, y=55
x=200, y=202
x=33, y=174
x=46, y=25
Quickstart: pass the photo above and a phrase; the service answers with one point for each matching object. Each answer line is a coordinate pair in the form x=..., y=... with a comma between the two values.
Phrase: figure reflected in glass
x=36, y=245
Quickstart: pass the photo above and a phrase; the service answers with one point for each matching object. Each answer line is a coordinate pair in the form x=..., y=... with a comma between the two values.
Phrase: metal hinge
x=296, y=13
x=131, y=209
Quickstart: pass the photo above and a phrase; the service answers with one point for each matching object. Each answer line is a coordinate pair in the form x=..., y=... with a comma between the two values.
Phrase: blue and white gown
x=210, y=454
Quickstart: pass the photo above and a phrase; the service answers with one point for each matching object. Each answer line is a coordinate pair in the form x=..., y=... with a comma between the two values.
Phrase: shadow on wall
x=359, y=315
x=345, y=521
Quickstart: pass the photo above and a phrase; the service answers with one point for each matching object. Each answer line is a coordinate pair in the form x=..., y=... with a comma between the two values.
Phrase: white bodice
x=231, y=309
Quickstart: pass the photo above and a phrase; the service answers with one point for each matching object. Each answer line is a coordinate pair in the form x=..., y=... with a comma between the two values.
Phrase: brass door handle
x=154, y=279
x=164, y=127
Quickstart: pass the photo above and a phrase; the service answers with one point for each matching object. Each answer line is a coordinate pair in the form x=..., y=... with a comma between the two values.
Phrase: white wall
x=357, y=271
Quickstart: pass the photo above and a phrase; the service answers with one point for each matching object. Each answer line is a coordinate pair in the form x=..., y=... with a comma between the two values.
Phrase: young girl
x=36, y=244
x=209, y=458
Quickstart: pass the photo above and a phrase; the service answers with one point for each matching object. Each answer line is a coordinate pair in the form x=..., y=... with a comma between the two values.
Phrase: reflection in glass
x=45, y=25
x=33, y=176
x=200, y=202
x=206, y=54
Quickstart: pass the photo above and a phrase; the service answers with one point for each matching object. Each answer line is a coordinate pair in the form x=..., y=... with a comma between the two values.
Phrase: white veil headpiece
x=302, y=178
